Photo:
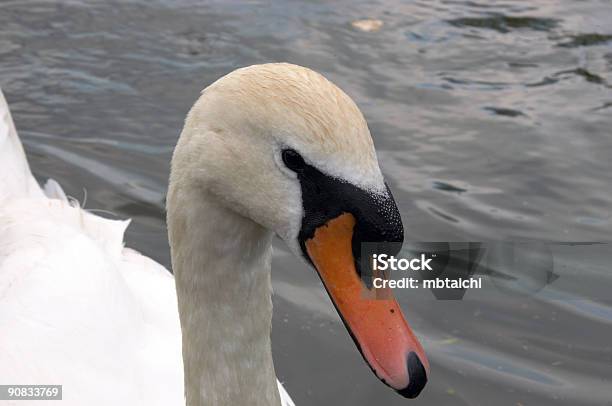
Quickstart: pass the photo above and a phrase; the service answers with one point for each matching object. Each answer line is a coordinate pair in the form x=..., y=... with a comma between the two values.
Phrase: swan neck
x=221, y=263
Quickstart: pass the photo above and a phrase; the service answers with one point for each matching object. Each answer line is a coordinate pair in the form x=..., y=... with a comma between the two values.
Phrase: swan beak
x=372, y=316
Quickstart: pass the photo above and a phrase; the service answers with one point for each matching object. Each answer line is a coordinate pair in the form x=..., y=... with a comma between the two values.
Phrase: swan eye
x=293, y=160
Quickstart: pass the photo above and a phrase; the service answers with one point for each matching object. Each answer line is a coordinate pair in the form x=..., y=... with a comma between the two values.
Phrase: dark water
x=492, y=120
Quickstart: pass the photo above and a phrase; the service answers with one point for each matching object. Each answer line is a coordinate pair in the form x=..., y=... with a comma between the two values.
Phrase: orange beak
x=372, y=316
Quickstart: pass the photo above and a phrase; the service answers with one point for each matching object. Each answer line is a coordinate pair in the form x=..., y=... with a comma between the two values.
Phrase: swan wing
x=77, y=308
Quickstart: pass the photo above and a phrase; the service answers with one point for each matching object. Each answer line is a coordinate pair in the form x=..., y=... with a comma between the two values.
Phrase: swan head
x=281, y=145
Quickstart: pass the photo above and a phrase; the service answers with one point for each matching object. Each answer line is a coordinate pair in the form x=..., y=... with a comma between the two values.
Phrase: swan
x=272, y=149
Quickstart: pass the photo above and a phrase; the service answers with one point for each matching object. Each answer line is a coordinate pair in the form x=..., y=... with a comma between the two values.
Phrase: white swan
x=268, y=149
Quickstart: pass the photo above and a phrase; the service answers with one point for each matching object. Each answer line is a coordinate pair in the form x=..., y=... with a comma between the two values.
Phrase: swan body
x=267, y=150
x=77, y=308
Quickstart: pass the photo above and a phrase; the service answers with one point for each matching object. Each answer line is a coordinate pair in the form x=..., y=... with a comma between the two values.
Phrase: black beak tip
x=417, y=376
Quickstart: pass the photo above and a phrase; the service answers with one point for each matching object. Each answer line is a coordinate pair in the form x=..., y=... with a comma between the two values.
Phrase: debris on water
x=502, y=111
x=447, y=187
x=367, y=25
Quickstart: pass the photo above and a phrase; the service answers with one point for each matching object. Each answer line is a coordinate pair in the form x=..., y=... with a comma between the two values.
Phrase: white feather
x=16, y=180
